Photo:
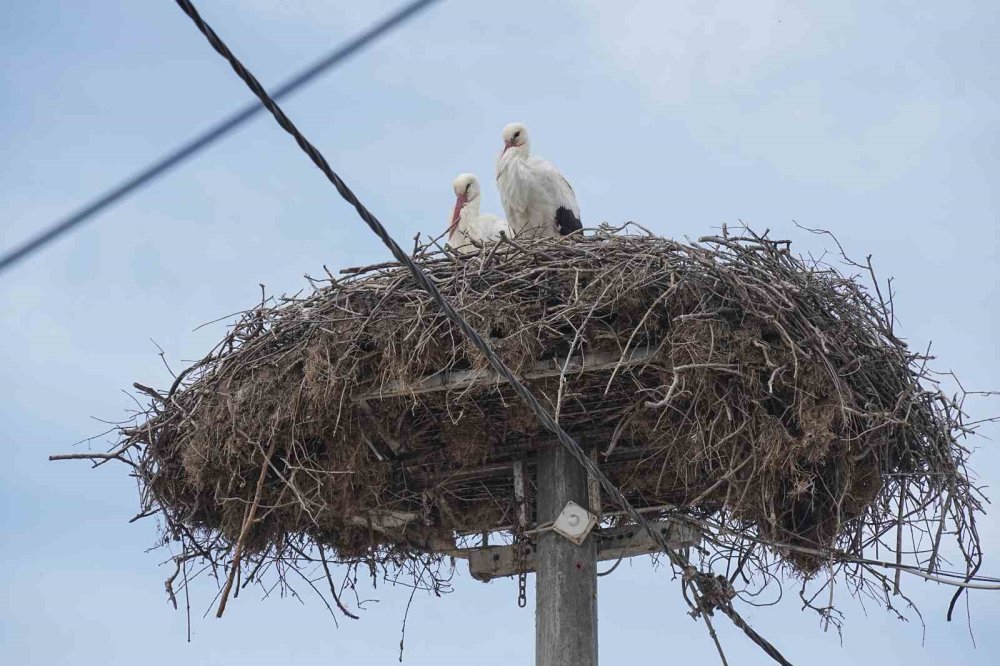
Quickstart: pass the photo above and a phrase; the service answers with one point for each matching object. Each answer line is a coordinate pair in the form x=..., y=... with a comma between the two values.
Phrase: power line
x=212, y=134
x=571, y=446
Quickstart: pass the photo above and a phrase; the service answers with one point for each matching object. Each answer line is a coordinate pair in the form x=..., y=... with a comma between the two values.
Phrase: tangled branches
x=728, y=383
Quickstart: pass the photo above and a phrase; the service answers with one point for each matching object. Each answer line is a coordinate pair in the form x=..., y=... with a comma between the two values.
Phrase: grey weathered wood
x=520, y=496
x=485, y=564
x=464, y=379
x=566, y=578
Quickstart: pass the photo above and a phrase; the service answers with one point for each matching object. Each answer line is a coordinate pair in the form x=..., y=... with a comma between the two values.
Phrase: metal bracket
x=485, y=564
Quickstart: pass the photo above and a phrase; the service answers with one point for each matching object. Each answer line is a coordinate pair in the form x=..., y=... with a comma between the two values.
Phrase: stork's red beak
x=507, y=144
x=459, y=204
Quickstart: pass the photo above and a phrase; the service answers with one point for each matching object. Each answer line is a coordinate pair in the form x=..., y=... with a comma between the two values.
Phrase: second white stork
x=537, y=199
x=469, y=226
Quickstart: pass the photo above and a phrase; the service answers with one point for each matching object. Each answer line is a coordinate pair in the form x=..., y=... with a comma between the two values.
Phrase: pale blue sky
x=877, y=120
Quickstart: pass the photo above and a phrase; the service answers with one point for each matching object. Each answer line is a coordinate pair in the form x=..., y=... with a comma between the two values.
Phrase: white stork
x=467, y=224
x=537, y=199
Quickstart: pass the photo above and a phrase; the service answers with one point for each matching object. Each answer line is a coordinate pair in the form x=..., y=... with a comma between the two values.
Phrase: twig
x=247, y=523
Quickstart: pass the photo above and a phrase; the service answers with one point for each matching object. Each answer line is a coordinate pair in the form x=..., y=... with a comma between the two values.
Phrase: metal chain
x=522, y=586
x=520, y=545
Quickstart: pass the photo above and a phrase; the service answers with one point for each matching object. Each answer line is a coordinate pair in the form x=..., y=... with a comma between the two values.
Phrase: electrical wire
x=421, y=278
x=212, y=134
x=572, y=447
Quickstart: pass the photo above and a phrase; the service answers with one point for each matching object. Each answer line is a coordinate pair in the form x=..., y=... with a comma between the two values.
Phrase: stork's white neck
x=470, y=211
x=521, y=152
x=512, y=162
x=467, y=216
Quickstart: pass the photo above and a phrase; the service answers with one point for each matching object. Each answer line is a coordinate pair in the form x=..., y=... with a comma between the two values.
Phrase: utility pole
x=566, y=574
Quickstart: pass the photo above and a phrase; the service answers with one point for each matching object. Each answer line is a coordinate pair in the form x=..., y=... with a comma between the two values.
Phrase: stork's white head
x=515, y=137
x=466, y=187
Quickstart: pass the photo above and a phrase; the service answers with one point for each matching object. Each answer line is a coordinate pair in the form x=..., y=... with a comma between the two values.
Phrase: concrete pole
x=566, y=577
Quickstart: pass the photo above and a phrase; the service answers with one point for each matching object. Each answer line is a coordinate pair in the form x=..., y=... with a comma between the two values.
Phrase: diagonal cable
x=213, y=133
x=498, y=365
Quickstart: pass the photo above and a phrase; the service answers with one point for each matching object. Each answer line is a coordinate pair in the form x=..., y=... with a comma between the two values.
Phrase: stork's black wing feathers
x=566, y=221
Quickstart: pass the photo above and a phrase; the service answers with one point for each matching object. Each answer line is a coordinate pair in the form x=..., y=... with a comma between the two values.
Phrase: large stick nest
x=728, y=382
